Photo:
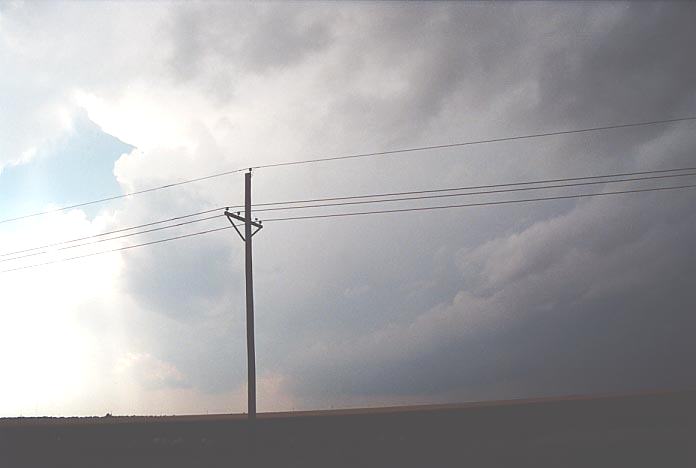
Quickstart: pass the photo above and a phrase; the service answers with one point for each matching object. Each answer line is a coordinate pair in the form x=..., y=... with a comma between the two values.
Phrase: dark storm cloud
x=500, y=302
x=433, y=50
x=638, y=65
x=597, y=300
x=620, y=340
x=627, y=63
x=407, y=61
x=222, y=42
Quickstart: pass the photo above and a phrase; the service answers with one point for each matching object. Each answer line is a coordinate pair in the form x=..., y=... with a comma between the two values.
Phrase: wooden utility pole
x=246, y=237
x=251, y=350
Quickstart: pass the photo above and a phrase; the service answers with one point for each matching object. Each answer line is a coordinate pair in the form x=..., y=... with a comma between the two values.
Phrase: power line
x=159, y=241
x=351, y=156
x=483, y=192
x=117, y=197
x=476, y=187
x=670, y=173
x=130, y=228
x=111, y=238
x=334, y=215
x=474, y=142
x=465, y=205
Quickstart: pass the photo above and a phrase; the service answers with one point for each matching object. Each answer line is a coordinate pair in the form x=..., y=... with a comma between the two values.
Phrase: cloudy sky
x=574, y=296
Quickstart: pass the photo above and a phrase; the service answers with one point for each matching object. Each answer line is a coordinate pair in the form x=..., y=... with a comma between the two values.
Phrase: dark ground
x=656, y=430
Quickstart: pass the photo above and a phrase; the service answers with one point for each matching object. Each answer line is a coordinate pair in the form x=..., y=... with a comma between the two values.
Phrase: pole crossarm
x=231, y=215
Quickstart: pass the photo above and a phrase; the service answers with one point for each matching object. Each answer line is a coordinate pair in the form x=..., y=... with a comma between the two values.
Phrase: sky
x=565, y=297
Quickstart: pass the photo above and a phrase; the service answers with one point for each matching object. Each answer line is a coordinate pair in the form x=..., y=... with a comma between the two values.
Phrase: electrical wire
x=119, y=249
x=350, y=156
x=670, y=173
x=476, y=187
x=110, y=238
x=474, y=142
x=130, y=228
x=466, y=205
x=334, y=215
x=483, y=192
x=117, y=197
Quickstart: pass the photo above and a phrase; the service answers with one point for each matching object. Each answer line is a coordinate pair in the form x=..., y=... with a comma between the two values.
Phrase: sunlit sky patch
x=76, y=167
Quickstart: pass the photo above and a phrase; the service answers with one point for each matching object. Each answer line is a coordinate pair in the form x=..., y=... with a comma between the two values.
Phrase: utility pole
x=246, y=237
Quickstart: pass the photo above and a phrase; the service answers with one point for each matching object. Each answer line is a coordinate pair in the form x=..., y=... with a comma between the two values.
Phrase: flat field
x=657, y=429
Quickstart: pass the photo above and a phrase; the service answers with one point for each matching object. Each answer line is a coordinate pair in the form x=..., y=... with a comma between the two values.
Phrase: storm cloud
x=561, y=297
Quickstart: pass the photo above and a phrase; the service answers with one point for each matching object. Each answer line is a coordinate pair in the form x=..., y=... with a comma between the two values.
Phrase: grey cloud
x=429, y=54
x=586, y=64
x=517, y=364
x=637, y=65
x=151, y=274
x=189, y=280
x=588, y=321
x=502, y=302
x=221, y=42
x=189, y=295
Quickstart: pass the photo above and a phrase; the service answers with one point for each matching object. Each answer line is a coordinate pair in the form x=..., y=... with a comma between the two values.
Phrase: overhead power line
x=98, y=241
x=117, y=197
x=361, y=213
x=119, y=249
x=474, y=142
x=130, y=228
x=466, y=205
x=665, y=173
x=350, y=156
x=483, y=192
x=476, y=187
